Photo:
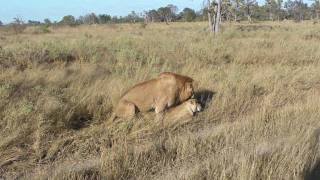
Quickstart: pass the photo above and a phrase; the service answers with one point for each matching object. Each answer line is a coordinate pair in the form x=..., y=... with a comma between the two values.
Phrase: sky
x=55, y=9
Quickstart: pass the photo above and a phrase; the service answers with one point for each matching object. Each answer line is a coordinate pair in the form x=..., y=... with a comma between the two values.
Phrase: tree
x=152, y=16
x=68, y=20
x=210, y=14
x=279, y=8
x=1, y=24
x=226, y=10
x=115, y=19
x=269, y=7
x=173, y=11
x=173, y=8
x=248, y=5
x=236, y=8
x=164, y=13
x=18, y=25
x=214, y=15
x=296, y=9
x=132, y=17
x=316, y=9
x=104, y=18
x=89, y=19
x=47, y=21
x=189, y=14
x=167, y=13
x=32, y=23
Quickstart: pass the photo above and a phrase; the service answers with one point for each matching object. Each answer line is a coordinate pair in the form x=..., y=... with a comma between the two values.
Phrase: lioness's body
x=158, y=94
x=184, y=110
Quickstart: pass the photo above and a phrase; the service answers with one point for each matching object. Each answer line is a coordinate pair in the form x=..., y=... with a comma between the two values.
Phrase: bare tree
x=214, y=15
x=210, y=19
x=270, y=5
x=18, y=25
x=316, y=9
x=278, y=8
x=248, y=8
x=297, y=9
x=218, y=17
x=227, y=10
x=236, y=5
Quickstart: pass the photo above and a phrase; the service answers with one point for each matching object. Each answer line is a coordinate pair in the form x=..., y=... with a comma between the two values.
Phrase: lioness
x=166, y=90
x=184, y=110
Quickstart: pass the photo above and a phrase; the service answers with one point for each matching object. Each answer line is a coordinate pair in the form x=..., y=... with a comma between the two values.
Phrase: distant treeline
x=232, y=10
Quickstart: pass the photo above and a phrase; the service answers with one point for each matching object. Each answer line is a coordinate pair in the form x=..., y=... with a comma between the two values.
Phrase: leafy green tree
x=189, y=14
x=90, y=19
x=47, y=21
x=173, y=11
x=104, y=18
x=32, y=23
x=152, y=16
x=164, y=13
x=168, y=13
x=132, y=17
x=68, y=20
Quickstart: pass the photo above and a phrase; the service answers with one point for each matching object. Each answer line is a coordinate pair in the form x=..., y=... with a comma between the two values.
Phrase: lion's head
x=185, y=85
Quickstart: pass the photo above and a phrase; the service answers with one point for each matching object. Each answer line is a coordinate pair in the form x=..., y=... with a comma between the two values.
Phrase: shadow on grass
x=314, y=173
x=204, y=97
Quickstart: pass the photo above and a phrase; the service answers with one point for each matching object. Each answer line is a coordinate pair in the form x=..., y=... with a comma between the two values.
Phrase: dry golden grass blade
x=259, y=86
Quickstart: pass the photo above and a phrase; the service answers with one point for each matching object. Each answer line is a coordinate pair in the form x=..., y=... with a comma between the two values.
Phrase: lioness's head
x=193, y=106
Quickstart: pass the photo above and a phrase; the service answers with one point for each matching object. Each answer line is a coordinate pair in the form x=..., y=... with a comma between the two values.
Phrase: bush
x=18, y=26
x=42, y=29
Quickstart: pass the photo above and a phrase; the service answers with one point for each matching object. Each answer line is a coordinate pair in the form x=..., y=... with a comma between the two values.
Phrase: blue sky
x=56, y=9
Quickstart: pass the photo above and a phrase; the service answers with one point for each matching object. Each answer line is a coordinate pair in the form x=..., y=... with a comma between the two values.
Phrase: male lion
x=166, y=90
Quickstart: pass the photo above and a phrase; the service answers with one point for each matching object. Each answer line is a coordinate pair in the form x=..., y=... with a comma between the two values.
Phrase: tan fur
x=185, y=84
x=184, y=110
x=167, y=90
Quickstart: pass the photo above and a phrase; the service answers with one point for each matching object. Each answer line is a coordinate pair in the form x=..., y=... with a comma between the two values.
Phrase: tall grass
x=57, y=91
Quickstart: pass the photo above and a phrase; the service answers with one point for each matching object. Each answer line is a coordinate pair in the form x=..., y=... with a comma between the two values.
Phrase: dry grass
x=57, y=91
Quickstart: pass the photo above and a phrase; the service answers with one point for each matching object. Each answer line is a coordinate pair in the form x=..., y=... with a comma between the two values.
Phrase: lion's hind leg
x=126, y=109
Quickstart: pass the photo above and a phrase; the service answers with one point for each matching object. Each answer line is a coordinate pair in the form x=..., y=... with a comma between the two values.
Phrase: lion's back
x=144, y=95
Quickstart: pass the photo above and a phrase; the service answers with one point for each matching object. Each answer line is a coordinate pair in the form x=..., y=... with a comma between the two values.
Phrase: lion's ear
x=195, y=84
x=188, y=79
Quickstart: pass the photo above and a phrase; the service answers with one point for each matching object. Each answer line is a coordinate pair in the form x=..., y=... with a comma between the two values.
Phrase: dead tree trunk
x=249, y=14
x=210, y=18
x=214, y=16
x=218, y=17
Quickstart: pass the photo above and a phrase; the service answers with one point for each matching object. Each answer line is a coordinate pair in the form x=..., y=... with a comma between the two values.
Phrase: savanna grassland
x=259, y=84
